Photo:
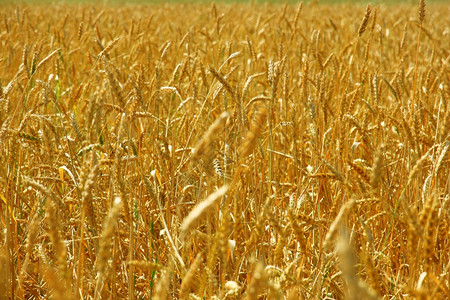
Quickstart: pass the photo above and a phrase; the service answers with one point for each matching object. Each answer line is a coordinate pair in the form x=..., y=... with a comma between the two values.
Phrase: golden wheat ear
x=205, y=147
x=259, y=151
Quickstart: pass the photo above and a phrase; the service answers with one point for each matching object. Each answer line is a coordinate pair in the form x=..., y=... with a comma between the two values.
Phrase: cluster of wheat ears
x=250, y=151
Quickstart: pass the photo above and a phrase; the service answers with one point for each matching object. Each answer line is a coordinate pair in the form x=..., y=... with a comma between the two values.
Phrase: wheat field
x=212, y=151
